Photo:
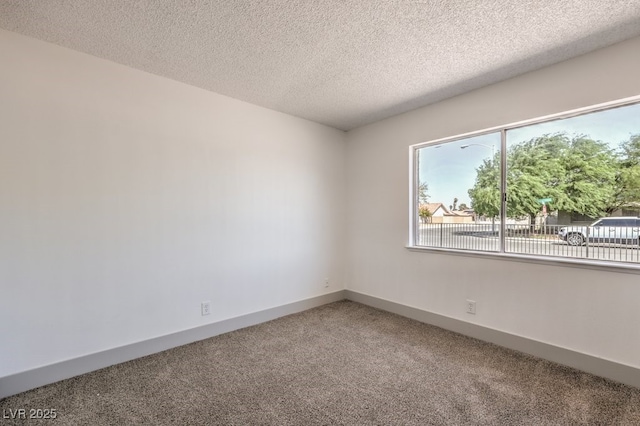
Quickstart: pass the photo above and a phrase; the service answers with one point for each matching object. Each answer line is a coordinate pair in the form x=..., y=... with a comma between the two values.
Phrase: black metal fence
x=616, y=245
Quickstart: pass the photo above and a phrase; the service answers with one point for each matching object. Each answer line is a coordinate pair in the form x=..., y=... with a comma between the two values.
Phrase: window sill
x=624, y=268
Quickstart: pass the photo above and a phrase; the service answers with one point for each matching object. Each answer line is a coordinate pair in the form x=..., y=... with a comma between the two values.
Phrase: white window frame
x=501, y=253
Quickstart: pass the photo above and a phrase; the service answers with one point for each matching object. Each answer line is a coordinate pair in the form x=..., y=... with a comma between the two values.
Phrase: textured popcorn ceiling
x=344, y=63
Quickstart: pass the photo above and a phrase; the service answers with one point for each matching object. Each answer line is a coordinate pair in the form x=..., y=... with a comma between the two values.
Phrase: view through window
x=563, y=188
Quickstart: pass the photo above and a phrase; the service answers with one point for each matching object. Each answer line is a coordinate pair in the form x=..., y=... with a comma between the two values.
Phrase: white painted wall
x=593, y=312
x=126, y=199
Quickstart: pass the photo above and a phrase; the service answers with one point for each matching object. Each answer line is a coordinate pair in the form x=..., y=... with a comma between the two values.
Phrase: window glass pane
x=572, y=189
x=459, y=194
x=561, y=173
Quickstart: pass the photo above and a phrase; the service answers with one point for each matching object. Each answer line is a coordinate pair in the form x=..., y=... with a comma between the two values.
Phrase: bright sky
x=450, y=171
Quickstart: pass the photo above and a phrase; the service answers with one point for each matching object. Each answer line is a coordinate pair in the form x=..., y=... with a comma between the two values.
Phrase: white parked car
x=612, y=230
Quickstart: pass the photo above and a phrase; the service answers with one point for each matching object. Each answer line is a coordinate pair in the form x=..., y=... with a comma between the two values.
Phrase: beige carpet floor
x=343, y=364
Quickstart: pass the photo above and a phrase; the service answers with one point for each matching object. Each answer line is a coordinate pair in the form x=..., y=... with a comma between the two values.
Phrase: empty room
x=320, y=212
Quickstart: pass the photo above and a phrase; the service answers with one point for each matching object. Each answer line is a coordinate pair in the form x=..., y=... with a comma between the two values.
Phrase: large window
x=567, y=187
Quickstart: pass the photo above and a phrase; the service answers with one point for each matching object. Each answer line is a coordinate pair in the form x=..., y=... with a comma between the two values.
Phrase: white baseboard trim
x=600, y=367
x=31, y=379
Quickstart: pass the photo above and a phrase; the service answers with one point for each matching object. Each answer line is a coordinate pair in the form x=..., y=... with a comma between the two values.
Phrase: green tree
x=463, y=207
x=485, y=194
x=424, y=213
x=629, y=174
x=578, y=174
x=423, y=197
x=589, y=185
x=534, y=171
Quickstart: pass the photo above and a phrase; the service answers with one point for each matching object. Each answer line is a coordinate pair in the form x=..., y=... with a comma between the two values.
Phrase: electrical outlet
x=471, y=307
x=205, y=308
x=326, y=283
